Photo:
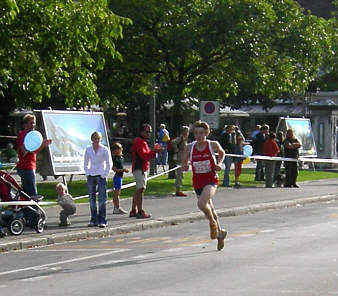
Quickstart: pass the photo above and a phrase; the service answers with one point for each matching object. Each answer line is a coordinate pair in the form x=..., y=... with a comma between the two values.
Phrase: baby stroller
x=18, y=208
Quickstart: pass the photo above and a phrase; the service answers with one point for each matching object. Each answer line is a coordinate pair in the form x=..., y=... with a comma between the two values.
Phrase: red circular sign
x=209, y=107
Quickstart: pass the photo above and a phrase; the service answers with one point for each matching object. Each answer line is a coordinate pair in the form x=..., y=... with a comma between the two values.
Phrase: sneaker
x=180, y=193
x=132, y=214
x=142, y=215
x=91, y=224
x=296, y=186
x=118, y=211
x=213, y=230
x=102, y=225
x=220, y=239
x=237, y=185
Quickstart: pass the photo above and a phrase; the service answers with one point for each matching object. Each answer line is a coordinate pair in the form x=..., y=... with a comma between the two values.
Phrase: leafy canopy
x=216, y=49
x=55, y=46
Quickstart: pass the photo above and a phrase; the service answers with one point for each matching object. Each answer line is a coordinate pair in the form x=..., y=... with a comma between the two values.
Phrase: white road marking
x=172, y=250
x=114, y=262
x=63, y=262
x=35, y=279
x=145, y=256
x=68, y=250
x=268, y=230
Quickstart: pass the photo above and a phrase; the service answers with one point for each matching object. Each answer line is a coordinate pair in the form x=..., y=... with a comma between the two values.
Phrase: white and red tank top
x=203, y=166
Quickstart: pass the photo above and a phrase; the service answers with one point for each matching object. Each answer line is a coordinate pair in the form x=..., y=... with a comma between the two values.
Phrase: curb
x=156, y=223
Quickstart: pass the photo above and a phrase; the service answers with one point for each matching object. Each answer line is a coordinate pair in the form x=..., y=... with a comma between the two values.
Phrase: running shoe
x=213, y=230
x=102, y=225
x=180, y=193
x=220, y=239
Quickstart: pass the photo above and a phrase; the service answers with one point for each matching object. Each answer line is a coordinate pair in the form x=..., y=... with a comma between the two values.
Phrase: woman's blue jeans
x=94, y=184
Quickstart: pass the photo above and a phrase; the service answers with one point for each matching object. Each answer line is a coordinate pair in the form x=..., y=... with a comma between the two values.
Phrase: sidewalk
x=171, y=210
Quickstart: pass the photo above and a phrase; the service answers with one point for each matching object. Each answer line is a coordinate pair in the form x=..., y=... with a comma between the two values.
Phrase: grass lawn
x=163, y=186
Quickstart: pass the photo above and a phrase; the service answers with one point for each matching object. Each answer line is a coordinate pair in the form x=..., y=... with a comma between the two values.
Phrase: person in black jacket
x=291, y=150
x=227, y=142
x=261, y=137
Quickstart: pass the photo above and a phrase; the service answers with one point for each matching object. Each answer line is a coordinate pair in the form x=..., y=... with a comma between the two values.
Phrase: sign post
x=209, y=112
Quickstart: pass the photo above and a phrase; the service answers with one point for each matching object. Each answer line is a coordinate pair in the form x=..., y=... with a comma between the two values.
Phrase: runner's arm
x=216, y=147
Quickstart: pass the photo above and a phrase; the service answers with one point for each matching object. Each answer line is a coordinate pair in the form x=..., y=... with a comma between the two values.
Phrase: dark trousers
x=291, y=172
x=259, y=170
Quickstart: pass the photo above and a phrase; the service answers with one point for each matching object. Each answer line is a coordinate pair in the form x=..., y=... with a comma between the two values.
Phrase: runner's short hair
x=202, y=124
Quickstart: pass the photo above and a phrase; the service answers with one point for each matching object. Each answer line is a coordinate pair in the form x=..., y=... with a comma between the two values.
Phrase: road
x=291, y=251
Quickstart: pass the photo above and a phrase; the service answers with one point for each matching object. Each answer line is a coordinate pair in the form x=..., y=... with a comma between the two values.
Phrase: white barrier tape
x=302, y=159
x=133, y=183
x=18, y=203
x=259, y=157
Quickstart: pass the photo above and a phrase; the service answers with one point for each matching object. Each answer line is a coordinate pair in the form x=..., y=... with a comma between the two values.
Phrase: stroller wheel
x=40, y=225
x=16, y=227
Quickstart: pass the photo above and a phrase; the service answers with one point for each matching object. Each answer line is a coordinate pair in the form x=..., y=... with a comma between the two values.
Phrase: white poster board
x=209, y=112
x=70, y=133
x=302, y=130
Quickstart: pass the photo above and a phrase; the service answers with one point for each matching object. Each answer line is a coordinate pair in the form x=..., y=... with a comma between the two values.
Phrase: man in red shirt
x=141, y=154
x=26, y=165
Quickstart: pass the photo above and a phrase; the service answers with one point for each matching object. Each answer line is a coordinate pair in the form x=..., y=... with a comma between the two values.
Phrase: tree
x=328, y=81
x=55, y=47
x=216, y=49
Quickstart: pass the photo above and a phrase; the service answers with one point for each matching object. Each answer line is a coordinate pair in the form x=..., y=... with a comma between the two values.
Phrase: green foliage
x=217, y=49
x=55, y=46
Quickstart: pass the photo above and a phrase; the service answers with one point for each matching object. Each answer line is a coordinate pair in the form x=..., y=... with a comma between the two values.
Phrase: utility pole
x=152, y=116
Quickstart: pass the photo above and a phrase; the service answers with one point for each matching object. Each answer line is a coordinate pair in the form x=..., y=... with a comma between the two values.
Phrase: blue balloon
x=247, y=150
x=32, y=141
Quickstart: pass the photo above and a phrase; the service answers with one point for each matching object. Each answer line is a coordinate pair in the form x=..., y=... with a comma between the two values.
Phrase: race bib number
x=202, y=167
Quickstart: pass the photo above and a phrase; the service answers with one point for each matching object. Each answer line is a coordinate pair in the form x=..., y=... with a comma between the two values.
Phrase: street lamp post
x=152, y=116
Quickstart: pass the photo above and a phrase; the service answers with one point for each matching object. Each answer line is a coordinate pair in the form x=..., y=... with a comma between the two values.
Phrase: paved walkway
x=170, y=210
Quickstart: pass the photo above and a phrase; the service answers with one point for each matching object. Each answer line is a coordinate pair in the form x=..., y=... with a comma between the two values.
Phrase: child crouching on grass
x=118, y=168
x=65, y=201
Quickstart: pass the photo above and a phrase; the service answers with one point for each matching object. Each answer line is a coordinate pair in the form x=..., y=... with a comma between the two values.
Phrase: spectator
x=163, y=139
x=141, y=154
x=9, y=154
x=238, y=149
x=258, y=144
x=227, y=141
x=291, y=149
x=66, y=202
x=118, y=168
x=26, y=165
x=255, y=132
x=270, y=148
x=205, y=179
x=279, y=140
x=238, y=132
x=178, y=146
x=97, y=164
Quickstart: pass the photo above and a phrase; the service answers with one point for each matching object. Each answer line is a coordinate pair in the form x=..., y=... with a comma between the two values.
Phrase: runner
x=200, y=153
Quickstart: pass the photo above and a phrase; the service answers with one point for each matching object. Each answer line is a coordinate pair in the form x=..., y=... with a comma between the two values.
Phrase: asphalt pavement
x=171, y=210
